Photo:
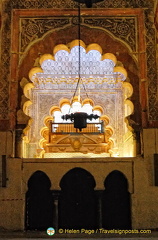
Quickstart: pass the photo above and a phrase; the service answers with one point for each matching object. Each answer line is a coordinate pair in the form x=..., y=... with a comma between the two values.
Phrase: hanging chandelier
x=80, y=118
x=75, y=66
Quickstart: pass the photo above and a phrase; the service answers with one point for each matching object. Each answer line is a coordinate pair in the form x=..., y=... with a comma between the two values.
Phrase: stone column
x=56, y=195
x=99, y=208
x=18, y=140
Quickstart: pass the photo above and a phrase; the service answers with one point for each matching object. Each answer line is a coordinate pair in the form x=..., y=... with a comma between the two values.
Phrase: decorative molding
x=34, y=28
x=27, y=4
x=122, y=32
x=151, y=66
x=124, y=28
x=4, y=70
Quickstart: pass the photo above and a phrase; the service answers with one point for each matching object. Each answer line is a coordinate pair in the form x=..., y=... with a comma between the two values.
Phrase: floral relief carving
x=151, y=66
x=32, y=29
x=120, y=27
x=72, y=4
x=5, y=59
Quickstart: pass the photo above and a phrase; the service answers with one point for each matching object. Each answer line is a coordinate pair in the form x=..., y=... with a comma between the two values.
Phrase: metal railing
x=65, y=128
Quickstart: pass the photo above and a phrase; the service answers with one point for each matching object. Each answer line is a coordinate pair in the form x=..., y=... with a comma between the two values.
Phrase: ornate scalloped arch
x=57, y=77
x=45, y=131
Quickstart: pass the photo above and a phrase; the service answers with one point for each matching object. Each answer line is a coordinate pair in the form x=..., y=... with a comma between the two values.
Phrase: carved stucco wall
x=31, y=29
x=48, y=89
x=121, y=28
x=68, y=34
x=111, y=100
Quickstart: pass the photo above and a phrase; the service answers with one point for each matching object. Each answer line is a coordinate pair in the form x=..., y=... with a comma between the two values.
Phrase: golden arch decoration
x=44, y=131
x=109, y=57
x=76, y=142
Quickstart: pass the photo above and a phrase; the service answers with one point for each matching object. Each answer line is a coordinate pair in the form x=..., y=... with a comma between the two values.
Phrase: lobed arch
x=98, y=181
x=74, y=33
x=47, y=59
x=77, y=170
x=63, y=53
x=67, y=35
x=36, y=176
x=97, y=109
x=58, y=36
x=55, y=173
x=116, y=204
x=77, y=187
x=115, y=174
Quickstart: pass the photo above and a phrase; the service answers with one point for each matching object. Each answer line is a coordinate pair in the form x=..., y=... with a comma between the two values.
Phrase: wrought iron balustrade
x=66, y=128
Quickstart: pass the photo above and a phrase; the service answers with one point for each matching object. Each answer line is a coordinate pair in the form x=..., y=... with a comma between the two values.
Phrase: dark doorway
x=116, y=202
x=77, y=203
x=39, y=202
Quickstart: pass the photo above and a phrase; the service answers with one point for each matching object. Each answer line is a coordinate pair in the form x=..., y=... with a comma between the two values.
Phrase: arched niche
x=39, y=202
x=115, y=46
x=77, y=204
x=116, y=205
x=107, y=42
x=52, y=83
x=54, y=122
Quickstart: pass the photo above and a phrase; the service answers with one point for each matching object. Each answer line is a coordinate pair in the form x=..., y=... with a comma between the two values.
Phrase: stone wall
x=6, y=149
x=150, y=146
x=144, y=204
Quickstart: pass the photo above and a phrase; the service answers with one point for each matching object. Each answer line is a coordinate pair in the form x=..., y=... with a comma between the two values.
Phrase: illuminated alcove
x=103, y=86
x=60, y=137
